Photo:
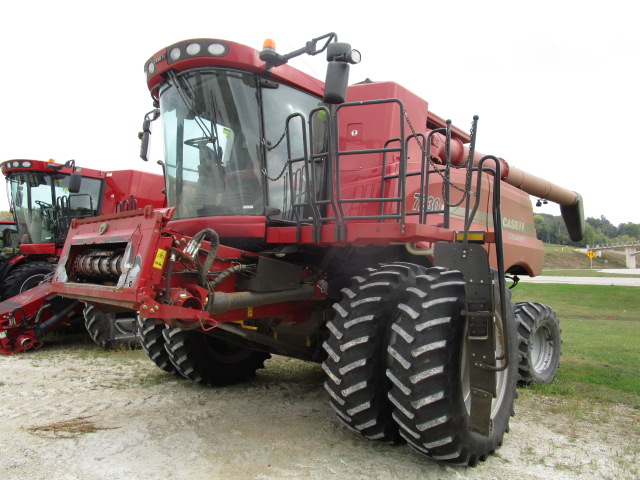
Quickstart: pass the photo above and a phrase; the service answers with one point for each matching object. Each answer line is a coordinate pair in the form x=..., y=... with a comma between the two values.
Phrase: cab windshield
x=228, y=138
x=43, y=206
x=211, y=140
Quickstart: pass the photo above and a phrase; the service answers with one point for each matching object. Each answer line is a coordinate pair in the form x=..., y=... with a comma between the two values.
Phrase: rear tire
x=104, y=331
x=540, y=342
x=430, y=375
x=153, y=343
x=26, y=277
x=357, y=350
x=211, y=361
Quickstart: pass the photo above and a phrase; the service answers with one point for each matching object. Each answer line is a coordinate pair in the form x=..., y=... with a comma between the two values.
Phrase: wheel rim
x=501, y=376
x=32, y=281
x=541, y=349
x=124, y=323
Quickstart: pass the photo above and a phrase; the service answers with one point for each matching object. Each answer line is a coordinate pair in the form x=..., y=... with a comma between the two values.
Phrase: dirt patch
x=66, y=429
x=126, y=419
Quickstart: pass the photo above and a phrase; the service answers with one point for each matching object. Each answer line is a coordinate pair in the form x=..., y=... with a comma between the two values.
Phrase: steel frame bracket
x=472, y=260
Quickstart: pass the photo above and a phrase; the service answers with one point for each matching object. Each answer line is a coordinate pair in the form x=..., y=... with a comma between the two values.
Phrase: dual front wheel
x=397, y=363
x=196, y=356
x=110, y=331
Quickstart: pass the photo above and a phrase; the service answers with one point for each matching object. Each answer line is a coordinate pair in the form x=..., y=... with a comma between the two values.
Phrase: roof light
x=193, y=49
x=269, y=43
x=175, y=54
x=51, y=160
x=15, y=164
x=151, y=68
x=188, y=49
x=26, y=164
x=217, y=49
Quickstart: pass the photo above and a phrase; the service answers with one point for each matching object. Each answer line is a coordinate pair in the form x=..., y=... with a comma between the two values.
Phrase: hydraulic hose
x=194, y=246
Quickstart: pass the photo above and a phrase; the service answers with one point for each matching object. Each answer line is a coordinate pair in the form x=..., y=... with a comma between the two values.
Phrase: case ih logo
x=160, y=58
x=512, y=224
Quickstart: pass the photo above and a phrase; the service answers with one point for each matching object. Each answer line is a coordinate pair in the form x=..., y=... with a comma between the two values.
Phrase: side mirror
x=146, y=133
x=75, y=181
x=335, y=86
x=144, y=145
x=339, y=55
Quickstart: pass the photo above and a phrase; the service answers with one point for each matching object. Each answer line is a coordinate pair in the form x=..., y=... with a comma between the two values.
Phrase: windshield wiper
x=188, y=98
x=208, y=155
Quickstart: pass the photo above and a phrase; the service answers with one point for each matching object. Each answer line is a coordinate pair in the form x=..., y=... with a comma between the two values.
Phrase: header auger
x=334, y=224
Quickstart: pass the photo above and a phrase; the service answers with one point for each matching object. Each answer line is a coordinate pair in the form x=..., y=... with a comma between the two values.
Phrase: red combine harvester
x=45, y=197
x=343, y=225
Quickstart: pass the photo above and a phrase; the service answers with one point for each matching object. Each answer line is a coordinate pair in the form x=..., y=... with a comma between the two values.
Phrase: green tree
x=541, y=228
x=631, y=230
x=590, y=237
x=603, y=226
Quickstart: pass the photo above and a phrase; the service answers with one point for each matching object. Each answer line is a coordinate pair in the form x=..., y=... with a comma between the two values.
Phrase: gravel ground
x=72, y=412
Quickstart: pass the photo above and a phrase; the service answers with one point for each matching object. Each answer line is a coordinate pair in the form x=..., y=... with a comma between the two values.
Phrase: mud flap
x=473, y=261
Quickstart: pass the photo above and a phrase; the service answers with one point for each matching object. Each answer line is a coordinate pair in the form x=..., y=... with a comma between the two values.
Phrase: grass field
x=601, y=332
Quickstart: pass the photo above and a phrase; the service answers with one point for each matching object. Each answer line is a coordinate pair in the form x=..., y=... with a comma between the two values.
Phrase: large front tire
x=108, y=331
x=209, y=360
x=152, y=340
x=26, y=277
x=430, y=375
x=357, y=349
x=540, y=343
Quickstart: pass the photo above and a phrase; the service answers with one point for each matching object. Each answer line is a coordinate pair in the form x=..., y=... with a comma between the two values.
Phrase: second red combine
x=45, y=197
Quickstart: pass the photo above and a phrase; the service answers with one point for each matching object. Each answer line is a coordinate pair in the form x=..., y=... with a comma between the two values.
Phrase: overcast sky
x=555, y=83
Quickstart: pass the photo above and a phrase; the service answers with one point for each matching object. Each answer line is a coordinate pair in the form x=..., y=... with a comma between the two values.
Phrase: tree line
x=551, y=229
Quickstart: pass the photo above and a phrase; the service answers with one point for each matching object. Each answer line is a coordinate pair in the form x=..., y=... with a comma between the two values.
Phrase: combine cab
x=347, y=226
x=45, y=198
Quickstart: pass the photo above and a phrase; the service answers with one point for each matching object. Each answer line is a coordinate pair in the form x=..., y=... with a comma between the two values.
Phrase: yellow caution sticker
x=250, y=312
x=160, y=257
